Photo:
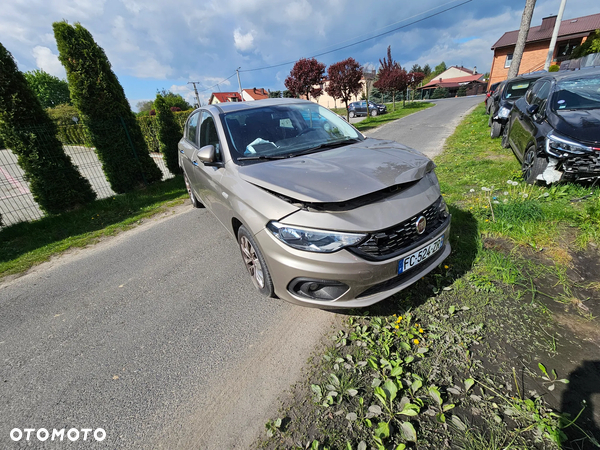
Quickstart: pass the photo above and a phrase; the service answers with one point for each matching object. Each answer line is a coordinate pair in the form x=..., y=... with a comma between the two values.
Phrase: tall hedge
x=99, y=97
x=28, y=131
x=168, y=134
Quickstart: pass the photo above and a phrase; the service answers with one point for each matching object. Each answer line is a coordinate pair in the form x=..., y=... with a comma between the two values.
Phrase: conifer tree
x=168, y=134
x=28, y=131
x=98, y=95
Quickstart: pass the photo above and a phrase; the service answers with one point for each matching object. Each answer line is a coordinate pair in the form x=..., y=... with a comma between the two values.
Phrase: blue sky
x=154, y=44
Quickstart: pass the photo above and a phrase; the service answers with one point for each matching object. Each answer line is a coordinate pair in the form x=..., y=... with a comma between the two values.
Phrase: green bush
x=169, y=134
x=462, y=91
x=554, y=68
x=149, y=127
x=440, y=93
x=30, y=133
x=98, y=95
x=591, y=45
x=70, y=130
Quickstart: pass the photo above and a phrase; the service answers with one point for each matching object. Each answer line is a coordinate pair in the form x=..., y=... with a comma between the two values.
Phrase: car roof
x=228, y=107
x=565, y=74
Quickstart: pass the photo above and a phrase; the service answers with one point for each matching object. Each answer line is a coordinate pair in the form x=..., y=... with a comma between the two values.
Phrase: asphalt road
x=157, y=336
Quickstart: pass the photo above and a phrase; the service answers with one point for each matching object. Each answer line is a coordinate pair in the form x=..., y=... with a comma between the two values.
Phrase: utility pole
x=239, y=82
x=561, y=10
x=196, y=92
x=523, y=31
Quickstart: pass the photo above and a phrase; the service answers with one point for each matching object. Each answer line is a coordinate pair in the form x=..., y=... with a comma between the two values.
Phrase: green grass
x=372, y=122
x=487, y=320
x=26, y=244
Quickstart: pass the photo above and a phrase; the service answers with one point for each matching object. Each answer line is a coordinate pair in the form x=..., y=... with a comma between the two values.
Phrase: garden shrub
x=440, y=93
x=99, y=97
x=169, y=133
x=30, y=133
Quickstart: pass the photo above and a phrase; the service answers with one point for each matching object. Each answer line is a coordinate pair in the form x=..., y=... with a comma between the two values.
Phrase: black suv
x=356, y=109
x=554, y=130
x=509, y=92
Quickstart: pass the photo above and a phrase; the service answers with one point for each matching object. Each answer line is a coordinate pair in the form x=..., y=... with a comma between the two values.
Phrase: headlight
x=560, y=147
x=313, y=240
x=503, y=112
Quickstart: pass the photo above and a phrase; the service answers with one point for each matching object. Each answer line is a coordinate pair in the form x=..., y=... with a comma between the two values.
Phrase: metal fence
x=17, y=203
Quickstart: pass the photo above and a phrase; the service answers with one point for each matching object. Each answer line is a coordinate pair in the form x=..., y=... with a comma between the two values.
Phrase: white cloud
x=243, y=42
x=48, y=61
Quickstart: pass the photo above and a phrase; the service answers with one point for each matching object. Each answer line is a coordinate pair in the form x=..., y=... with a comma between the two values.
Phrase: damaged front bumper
x=569, y=161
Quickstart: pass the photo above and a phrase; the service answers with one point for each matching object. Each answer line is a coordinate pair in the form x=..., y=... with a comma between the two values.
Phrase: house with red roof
x=249, y=95
x=453, y=79
x=572, y=32
x=223, y=97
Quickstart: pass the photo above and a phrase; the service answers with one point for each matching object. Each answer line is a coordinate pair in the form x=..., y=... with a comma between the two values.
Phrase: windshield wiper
x=324, y=146
x=266, y=157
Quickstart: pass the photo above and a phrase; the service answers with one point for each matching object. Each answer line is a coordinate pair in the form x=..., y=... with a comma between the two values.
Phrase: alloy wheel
x=252, y=262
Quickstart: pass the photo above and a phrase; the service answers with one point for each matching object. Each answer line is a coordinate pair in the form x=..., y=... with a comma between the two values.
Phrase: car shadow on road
x=464, y=239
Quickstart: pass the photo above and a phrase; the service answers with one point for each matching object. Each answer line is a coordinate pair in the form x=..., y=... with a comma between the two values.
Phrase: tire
x=351, y=114
x=496, y=129
x=533, y=165
x=374, y=113
x=504, y=142
x=193, y=199
x=255, y=263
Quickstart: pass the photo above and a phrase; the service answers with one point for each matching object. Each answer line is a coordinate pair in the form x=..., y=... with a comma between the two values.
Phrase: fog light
x=317, y=289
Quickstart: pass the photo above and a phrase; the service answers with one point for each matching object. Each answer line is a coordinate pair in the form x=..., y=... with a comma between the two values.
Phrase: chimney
x=548, y=23
x=440, y=80
x=255, y=90
x=474, y=70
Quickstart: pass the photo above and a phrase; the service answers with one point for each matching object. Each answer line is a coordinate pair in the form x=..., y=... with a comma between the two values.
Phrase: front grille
x=582, y=166
x=392, y=241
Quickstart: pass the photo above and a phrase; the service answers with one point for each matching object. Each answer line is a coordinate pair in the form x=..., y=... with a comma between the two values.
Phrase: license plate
x=419, y=256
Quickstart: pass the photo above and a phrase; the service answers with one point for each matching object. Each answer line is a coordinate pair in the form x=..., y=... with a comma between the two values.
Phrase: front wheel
x=533, y=165
x=496, y=129
x=351, y=114
x=373, y=112
x=255, y=263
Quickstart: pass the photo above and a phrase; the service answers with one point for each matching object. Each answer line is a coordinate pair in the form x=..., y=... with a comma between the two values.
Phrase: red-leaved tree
x=344, y=80
x=391, y=77
x=304, y=78
x=414, y=79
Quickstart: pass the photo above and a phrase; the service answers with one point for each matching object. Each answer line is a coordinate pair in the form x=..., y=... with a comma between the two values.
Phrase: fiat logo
x=421, y=224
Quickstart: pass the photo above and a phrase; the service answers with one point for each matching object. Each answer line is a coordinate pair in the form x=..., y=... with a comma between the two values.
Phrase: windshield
x=273, y=132
x=516, y=89
x=579, y=93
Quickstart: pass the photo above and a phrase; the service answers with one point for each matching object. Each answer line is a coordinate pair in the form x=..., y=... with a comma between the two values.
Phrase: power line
x=363, y=40
x=220, y=82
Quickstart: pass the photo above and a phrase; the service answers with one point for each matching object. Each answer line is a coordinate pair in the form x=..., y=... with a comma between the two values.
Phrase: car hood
x=340, y=174
x=581, y=125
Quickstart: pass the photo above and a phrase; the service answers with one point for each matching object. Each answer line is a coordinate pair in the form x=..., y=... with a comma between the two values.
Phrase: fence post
x=133, y=148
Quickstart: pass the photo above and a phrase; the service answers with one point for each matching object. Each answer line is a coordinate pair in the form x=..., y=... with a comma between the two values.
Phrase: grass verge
x=495, y=349
x=401, y=111
x=26, y=244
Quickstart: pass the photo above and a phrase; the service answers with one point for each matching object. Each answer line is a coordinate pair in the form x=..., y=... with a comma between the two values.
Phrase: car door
x=531, y=121
x=522, y=128
x=189, y=144
x=361, y=108
x=207, y=176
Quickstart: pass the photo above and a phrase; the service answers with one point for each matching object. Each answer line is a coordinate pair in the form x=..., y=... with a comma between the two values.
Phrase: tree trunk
x=394, y=99
x=520, y=46
x=347, y=112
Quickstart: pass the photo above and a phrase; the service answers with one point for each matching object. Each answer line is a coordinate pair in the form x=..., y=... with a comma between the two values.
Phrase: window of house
x=508, y=60
x=565, y=48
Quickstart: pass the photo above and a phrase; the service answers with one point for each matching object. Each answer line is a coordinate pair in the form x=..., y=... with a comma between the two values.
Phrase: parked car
x=323, y=215
x=489, y=100
x=356, y=109
x=554, y=130
x=508, y=93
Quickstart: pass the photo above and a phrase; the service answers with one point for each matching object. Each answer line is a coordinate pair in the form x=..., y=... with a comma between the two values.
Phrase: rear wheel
x=496, y=129
x=255, y=263
x=188, y=186
x=533, y=165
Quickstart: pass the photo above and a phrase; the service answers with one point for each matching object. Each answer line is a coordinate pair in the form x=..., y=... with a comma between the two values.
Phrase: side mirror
x=533, y=109
x=206, y=155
